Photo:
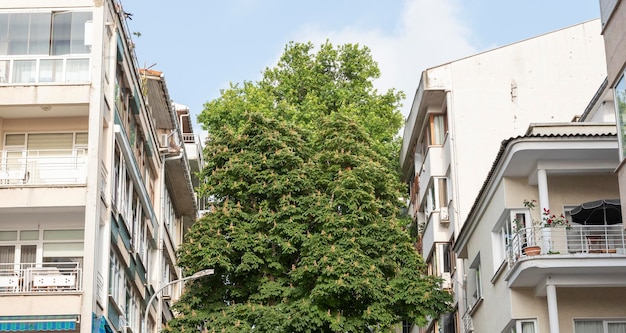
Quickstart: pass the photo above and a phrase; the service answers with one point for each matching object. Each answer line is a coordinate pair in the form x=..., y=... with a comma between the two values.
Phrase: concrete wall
x=497, y=94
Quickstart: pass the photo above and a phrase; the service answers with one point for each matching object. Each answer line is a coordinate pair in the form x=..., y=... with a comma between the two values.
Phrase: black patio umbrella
x=599, y=212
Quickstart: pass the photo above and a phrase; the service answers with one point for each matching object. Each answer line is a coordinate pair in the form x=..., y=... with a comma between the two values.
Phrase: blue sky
x=202, y=46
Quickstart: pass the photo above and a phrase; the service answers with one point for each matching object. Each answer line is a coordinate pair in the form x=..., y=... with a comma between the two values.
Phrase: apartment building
x=96, y=173
x=552, y=189
x=613, y=16
x=461, y=112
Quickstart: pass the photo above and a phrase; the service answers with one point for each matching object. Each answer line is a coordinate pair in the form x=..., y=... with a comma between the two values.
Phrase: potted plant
x=552, y=231
x=530, y=247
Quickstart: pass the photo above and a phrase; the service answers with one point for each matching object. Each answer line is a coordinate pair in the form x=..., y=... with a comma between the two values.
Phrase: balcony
x=580, y=255
x=193, y=148
x=44, y=70
x=40, y=278
x=43, y=167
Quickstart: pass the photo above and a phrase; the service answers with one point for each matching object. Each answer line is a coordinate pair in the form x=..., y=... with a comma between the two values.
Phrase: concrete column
x=544, y=203
x=542, y=184
x=553, y=309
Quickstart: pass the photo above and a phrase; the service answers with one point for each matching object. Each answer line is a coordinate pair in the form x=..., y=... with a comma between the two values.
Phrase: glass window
x=436, y=195
x=77, y=70
x=438, y=129
x=29, y=235
x=51, y=70
x=474, y=281
x=524, y=326
x=39, y=34
x=63, y=235
x=8, y=235
x=24, y=71
x=620, y=104
x=599, y=326
x=4, y=34
x=449, y=322
x=68, y=32
x=18, y=30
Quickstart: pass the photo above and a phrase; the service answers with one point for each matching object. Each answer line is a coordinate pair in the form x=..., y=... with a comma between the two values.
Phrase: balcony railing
x=45, y=277
x=44, y=70
x=43, y=167
x=579, y=240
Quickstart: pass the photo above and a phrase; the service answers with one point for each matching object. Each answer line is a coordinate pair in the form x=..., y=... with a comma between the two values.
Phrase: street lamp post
x=196, y=275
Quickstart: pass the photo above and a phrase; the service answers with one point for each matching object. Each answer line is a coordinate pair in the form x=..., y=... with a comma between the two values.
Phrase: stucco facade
x=464, y=109
x=96, y=181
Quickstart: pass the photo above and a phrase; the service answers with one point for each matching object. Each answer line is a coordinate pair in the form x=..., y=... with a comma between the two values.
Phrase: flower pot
x=532, y=250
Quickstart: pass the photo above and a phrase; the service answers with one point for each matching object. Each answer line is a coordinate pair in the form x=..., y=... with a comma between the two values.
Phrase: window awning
x=38, y=323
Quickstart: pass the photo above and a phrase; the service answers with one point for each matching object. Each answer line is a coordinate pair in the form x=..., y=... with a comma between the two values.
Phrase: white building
x=461, y=112
x=96, y=189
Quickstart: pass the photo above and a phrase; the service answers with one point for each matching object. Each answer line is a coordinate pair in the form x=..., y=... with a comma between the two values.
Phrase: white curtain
x=588, y=326
x=28, y=254
x=617, y=327
x=7, y=255
x=528, y=327
x=24, y=71
x=77, y=70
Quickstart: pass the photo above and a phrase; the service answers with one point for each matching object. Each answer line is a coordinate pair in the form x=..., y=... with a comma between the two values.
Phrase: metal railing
x=44, y=167
x=574, y=240
x=43, y=277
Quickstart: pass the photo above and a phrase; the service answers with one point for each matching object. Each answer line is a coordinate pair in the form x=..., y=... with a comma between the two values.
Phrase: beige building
x=460, y=114
x=96, y=173
x=574, y=281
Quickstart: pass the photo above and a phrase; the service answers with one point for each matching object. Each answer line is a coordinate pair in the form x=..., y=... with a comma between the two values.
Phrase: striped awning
x=38, y=323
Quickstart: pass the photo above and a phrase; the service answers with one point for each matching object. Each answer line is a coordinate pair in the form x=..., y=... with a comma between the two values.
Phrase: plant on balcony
x=548, y=220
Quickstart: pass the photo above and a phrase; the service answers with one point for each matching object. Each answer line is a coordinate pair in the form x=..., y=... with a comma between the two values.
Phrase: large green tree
x=306, y=85
x=306, y=232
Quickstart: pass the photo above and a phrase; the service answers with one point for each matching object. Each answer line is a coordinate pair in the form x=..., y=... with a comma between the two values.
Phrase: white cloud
x=427, y=34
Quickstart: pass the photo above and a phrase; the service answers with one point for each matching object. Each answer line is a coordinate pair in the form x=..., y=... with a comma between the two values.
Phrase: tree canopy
x=306, y=232
x=305, y=86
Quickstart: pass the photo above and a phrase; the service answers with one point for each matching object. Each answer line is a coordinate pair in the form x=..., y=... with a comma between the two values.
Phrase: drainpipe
x=553, y=309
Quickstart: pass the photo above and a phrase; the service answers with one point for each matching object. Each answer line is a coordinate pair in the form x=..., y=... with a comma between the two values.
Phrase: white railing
x=43, y=277
x=575, y=240
x=44, y=167
x=43, y=70
x=468, y=324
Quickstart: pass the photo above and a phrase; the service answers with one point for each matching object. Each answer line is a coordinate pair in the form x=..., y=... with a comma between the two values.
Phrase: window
x=48, y=158
x=449, y=322
x=437, y=129
x=599, y=326
x=47, y=33
x=45, y=47
x=475, y=282
x=510, y=236
x=34, y=248
x=524, y=326
x=117, y=280
x=406, y=326
x=68, y=33
x=434, y=134
x=436, y=195
x=620, y=105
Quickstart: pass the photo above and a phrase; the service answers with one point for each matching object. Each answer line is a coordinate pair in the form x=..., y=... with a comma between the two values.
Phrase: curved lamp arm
x=196, y=275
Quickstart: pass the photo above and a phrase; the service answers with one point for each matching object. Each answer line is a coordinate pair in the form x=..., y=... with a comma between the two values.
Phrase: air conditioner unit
x=447, y=280
x=166, y=294
x=164, y=141
x=444, y=216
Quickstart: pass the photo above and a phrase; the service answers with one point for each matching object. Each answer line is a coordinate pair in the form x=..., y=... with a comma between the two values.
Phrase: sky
x=203, y=46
